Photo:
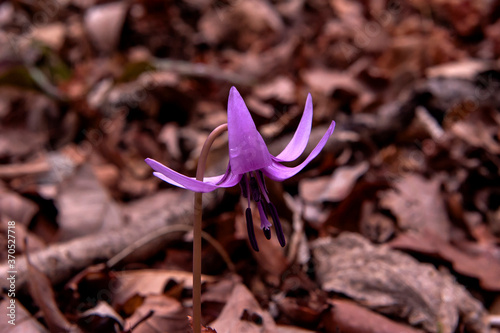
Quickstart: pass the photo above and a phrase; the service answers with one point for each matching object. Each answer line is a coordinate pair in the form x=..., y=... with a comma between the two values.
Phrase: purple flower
x=250, y=161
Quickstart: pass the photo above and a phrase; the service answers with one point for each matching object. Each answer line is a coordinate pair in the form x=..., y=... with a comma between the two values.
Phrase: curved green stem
x=197, y=228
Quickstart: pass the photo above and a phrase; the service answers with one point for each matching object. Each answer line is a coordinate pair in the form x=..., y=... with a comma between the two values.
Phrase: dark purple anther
x=277, y=225
x=251, y=233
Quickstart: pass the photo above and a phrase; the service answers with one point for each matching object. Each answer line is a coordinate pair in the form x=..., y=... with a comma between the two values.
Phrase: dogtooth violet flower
x=250, y=161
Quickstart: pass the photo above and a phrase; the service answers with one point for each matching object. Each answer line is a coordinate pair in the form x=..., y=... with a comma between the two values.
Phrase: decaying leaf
x=15, y=207
x=327, y=82
x=418, y=205
x=85, y=207
x=483, y=266
x=41, y=290
x=242, y=313
x=169, y=316
x=466, y=17
x=51, y=35
x=256, y=17
x=149, y=282
x=290, y=329
x=59, y=261
x=281, y=89
x=89, y=89
x=376, y=227
x=395, y=284
x=204, y=329
x=477, y=133
x=349, y=317
x=334, y=188
x=19, y=142
x=100, y=318
x=465, y=69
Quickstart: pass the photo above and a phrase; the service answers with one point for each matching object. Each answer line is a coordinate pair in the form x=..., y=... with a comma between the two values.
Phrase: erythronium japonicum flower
x=250, y=161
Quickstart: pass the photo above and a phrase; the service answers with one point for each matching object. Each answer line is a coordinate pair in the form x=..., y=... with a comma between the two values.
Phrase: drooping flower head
x=250, y=161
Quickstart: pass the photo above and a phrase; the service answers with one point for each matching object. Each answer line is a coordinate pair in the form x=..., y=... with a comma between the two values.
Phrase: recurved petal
x=300, y=138
x=195, y=186
x=228, y=179
x=279, y=172
x=173, y=177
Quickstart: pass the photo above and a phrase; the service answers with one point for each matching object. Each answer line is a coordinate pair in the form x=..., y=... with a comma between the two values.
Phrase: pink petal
x=279, y=172
x=247, y=149
x=299, y=141
x=173, y=177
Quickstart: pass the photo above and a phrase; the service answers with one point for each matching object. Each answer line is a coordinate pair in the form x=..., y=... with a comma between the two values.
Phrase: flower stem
x=197, y=228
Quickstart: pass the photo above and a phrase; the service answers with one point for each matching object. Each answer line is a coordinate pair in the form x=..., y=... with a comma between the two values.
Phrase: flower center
x=253, y=187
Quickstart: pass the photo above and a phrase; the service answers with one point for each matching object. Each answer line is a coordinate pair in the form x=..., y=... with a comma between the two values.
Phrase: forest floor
x=393, y=227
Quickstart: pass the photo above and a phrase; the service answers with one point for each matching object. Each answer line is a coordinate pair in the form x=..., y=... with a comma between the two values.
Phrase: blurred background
x=394, y=227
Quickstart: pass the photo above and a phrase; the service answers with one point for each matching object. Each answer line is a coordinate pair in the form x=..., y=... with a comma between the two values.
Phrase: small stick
x=197, y=228
x=162, y=232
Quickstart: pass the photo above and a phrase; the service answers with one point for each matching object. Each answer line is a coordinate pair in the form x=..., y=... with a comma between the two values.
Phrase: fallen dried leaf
x=15, y=207
x=59, y=261
x=169, y=316
x=394, y=283
x=349, y=317
x=85, y=207
x=41, y=291
x=376, y=227
x=466, y=17
x=281, y=89
x=149, y=282
x=334, y=188
x=101, y=318
x=466, y=69
x=327, y=82
x=477, y=134
x=418, y=205
x=19, y=142
x=481, y=266
x=203, y=328
x=51, y=35
x=256, y=18
x=233, y=318
x=290, y=329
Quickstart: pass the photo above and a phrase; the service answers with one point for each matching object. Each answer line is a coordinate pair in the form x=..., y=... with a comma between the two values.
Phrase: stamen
x=262, y=186
x=264, y=222
x=260, y=176
x=248, y=190
x=244, y=187
x=254, y=189
x=251, y=233
x=277, y=225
